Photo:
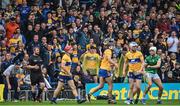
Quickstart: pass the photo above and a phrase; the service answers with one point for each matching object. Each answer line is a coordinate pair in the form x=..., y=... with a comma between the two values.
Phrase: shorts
x=64, y=79
x=92, y=72
x=104, y=73
x=36, y=79
x=153, y=76
x=134, y=76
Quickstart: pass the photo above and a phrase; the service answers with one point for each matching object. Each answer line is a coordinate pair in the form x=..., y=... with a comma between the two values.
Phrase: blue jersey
x=24, y=11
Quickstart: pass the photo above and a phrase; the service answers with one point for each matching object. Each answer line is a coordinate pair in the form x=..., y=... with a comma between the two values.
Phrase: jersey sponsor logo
x=91, y=58
x=134, y=61
x=74, y=55
x=68, y=64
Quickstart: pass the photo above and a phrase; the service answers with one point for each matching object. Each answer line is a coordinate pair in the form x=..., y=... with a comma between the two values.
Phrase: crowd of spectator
x=83, y=24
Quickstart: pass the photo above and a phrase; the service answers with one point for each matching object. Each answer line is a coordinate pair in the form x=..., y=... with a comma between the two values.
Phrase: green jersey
x=152, y=60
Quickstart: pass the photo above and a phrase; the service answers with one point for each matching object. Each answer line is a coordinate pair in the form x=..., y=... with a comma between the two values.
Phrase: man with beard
x=135, y=62
x=35, y=64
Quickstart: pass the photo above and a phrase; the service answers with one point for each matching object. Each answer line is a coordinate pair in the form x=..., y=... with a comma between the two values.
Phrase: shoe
x=136, y=101
x=81, y=101
x=53, y=102
x=112, y=102
x=39, y=99
x=88, y=97
x=143, y=101
x=128, y=102
x=15, y=101
x=34, y=99
x=131, y=102
x=159, y=102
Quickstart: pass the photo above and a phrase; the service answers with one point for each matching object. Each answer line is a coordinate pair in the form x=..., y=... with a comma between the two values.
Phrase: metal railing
x=25, y=95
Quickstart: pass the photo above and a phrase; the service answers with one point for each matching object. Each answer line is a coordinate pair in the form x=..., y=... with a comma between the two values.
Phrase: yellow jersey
x=75, y=57
x=89, y=45
x=66, y=59
x=136, y=33
x=13, y=42
x=91, y=61
x=105, y=64
x=50, y=21
x=134, y=60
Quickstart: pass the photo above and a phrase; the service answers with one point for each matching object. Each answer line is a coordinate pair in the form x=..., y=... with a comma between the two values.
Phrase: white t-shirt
x=8, y=71
x=174, y=47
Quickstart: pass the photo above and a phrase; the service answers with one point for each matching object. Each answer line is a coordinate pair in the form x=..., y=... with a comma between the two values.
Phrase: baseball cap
x=17, y=62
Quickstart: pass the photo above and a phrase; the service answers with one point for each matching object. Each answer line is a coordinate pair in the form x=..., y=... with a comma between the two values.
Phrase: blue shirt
x=44, y=12
x=24, y=11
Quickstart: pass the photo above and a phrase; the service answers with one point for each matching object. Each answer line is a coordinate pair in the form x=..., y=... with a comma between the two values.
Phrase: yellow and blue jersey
x=75, y=57
x=134, y=60
x=66, y=59
x=91, y=61
x=105, y=64
x=89, y=45
x=13, y=42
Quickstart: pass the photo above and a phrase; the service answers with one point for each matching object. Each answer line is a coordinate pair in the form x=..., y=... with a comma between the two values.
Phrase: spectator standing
x=173, y=42
x=12, y=81
x=11, y=28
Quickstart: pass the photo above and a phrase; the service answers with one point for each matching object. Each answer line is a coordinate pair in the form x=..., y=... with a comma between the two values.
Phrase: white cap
x=132, y=44
x=153, y=48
